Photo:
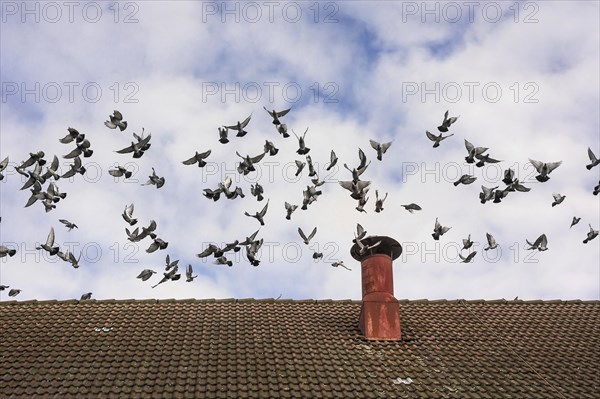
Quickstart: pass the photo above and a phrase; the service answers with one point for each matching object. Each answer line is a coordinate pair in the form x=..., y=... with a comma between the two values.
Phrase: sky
x=522, y=77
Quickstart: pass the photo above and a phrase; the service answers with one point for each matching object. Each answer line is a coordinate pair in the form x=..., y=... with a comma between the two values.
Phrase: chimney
x=379, y=315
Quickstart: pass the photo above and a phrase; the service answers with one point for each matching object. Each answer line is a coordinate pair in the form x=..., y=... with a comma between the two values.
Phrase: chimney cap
x=388, y=246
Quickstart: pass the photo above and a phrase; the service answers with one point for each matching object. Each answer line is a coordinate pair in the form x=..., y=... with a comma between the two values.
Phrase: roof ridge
x=289, y=300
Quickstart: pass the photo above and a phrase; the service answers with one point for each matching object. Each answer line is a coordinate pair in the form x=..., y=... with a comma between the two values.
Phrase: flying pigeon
x=51, y=171
x=412, y=207
x=260, y=215
x=473, y=151
x=486, y=194
x=33, y=158
x=138, y=148
x=358, y=189
x=270, y=148
x=86, y=296
x=379, y=201
x=540, y=243
x=447, y=122
x=157, y=243
x=594, y=161
x=290, y=209
x=68, y=224
x=188, y=274
x=596, y=189
x=6, y=251
x=48, y=246
x=544, y=169
x=145, y=274
x=299, y=167
x=247, y=164
x=72, y=135
x=199, y=158
x=119, y=172
x=436, y=139
x=485, y=158
x=574, y=221
x=590, y=235
x=116, y=120
x=465, y=179
x=311, y=167
x=169, y=264
x=380, y=148
x=467, y=243
x=492, y=244
x=439, y=230
x=499, y=195
x=360, y=233
x=155, y=180
x=276, y=115
x=171, y=275
x=558, y=198
x=303, y=236
x=303, y=149
x=282, y=129
x=332, y=160
x=81, y=148
x=340, y=264
x=146, y=231
x=509, y=177
x=14, y=292
x=222, y=260
x=362, y=248
x=257, y=191
x=210, y=250
x=252, y=250
x=223, y=135
x=317, y=255
x=128, y=215
x=250, y=240
x=516, y=186
x=3, y=166
x=239, y=126
x=468, y=258
x=362, y=201
x=75, y=168
x=3, y=287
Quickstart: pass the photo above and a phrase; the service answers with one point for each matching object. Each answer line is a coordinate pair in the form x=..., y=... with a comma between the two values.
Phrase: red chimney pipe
x=379, y=315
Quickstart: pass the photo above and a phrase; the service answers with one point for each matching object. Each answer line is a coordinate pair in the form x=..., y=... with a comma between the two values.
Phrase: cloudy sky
x=523, y=76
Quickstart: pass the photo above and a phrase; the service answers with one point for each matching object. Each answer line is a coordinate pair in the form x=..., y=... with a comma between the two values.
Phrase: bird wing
x=50, y=239
x=385, y=146
x=490, y=239
x=302, y=234
x=190, y=161
x=204, y=154
x=283, y=113
x=431, y=136
x=245, y=122
x=126, y=150
x=537, y=164
x=469, y=146
x=556, y=196
x=4, y=164
x=258, y=157
x=115, y=172
x=374, y=144
x=263, y=212
x=347, y=185
x=592, y=156
x=553, y=165
x=312, y=234
x=362, y=157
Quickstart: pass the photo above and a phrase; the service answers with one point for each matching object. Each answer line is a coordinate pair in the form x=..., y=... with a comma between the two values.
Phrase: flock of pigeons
x=36, y=177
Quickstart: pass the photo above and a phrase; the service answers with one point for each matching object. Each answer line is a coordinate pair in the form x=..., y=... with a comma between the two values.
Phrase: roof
x=291, y=349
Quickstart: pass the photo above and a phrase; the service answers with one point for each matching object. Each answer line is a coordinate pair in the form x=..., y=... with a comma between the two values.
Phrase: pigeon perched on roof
x=465, y=179
x=4, y=251
x=594, y=161
x=85, y=297
x=439, y=230
x=198, y=158
x=120, y=172
x=257, y=191
x=485, y=158
x=239, y=127
x=260, y=215
x=574, y=221
x=145, y=274
x=189, y=274
x=467, y=243
x=304, y=237
x=411, y=207
x=558, y=198
x=223, y=135
x=380, y=148
x=3, y=166
x=492, y=244
x=544, y=169
x=590, y=235
x=379, y=201
x=473, y=151
x=75, y=168
x=468, y=258
x=270, y=148
x=436, y=139
x=14, y=292
x=447, y=122
x=290, y=209
x=116, y=120
x=332, y=160
x=540, y=243
x=48, y=246
x=276, y=115
x=68, y=224
x=303, y=149
x=155, y=180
